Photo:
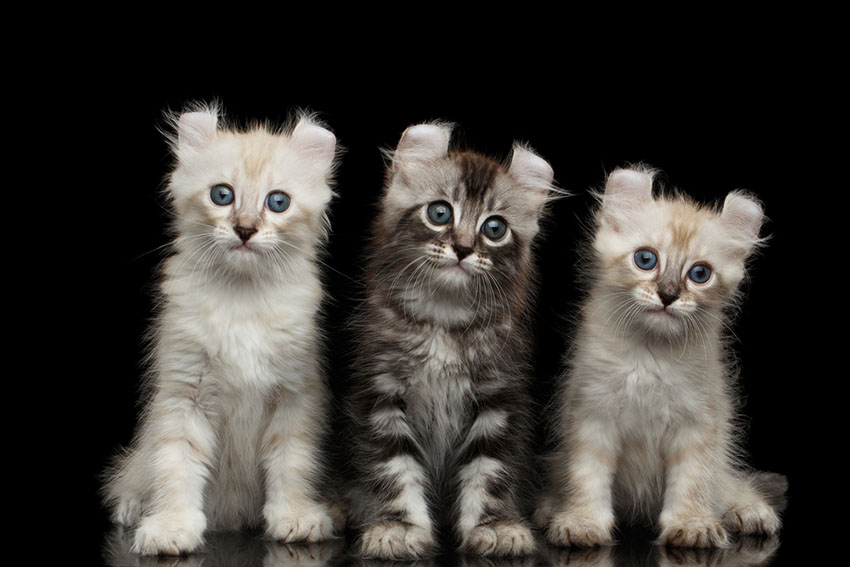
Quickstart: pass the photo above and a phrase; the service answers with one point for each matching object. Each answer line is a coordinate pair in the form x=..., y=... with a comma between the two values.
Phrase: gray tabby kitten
x=647, y=416
x=439, y=412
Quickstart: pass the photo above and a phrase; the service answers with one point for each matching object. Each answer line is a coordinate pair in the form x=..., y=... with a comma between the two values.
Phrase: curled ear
x=195, y=130
x=625, y=191
x=423, y=142
x=743, y=216
x=532, y=171
x=315, y=142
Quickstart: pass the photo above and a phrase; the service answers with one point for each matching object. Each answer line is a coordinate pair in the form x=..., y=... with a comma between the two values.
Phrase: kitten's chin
x=661, y=321
x=456, y=273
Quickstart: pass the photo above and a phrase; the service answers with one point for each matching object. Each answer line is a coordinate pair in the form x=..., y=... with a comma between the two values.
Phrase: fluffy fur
x=236, y=403
x=438, y=410
x=647, y=417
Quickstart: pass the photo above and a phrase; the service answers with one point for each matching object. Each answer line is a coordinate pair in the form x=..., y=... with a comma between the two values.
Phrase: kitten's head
x=668, y=265
x=247, y=202
x=453, y=240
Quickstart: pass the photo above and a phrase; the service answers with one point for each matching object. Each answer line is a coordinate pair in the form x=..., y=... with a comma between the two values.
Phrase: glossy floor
x=246, y=550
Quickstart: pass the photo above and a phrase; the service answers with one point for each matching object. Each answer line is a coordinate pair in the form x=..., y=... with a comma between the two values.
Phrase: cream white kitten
x=647, y=416
x=230, y=434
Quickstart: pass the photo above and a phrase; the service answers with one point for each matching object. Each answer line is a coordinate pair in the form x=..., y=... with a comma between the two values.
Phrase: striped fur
x=438, y=408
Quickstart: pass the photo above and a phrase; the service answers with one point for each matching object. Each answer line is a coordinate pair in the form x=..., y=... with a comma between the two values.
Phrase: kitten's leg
x=126, y=487
x=489, y=521
x=395, y=477
x=584, y=474
x=180, y=443
x=688, y=517
x=292, y=463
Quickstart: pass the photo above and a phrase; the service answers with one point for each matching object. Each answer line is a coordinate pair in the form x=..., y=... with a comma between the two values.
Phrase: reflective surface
x=249, y=550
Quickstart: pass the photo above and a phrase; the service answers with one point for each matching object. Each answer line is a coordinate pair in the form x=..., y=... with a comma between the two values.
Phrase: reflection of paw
x=169, y=533
x=500, y=538
x=755, y=550
x=758, y=518
x=582, y=557
x=581, y=529
x=310, y=525
x=301, y=554
x=692, y=557
x=694, y=532
x=395, y=540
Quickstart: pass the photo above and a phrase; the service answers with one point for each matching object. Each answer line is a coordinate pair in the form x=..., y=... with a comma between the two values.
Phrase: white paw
x=304, y=525
x=500, y=538
x=694, y=532
x=581, y=529
x=757, y=518
x=169, y=533
x=395, y=540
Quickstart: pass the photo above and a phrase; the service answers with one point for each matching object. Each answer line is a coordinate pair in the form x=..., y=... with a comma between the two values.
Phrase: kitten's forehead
x=683, y=229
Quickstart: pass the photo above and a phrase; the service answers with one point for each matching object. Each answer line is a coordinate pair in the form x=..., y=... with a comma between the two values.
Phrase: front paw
x=753, y=519
x=694, y=532
x=505, y=538
x=581, y=529
x=169, y=533
x=395, y=540
x=304, y=525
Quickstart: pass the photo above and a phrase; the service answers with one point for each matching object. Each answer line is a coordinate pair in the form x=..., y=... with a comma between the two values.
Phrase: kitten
x=439, y=412
x=647, y=416
x=236, y=410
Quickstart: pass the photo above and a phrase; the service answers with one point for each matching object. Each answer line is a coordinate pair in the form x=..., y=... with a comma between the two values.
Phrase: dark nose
x=461, y=251
x=245, y=232
x=667, y=298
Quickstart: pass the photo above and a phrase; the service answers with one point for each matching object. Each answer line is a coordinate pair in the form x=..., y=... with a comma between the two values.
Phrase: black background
x=711, y=121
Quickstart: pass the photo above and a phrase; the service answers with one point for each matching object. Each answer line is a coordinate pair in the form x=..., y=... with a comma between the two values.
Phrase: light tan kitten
x=647, y=416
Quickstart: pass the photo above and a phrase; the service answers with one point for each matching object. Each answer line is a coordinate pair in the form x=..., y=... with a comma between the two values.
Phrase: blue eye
x=221, y=195
x=494, y=228
x=278, y=201
x=700, y=273
x=440, y=212
x=646, y=259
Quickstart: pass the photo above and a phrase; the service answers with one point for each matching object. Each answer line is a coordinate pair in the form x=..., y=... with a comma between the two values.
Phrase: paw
x=753, y=519
x=169, y=533
x=581, y=529
x=694, y=532
x=500, y=538
x=310, y=525
x=395, y=540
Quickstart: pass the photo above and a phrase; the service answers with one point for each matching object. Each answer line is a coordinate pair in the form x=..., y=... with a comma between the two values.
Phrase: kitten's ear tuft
x=532, y=171
x=743, y=215
x=423, y=142
x=195, y=130
x=314, y=141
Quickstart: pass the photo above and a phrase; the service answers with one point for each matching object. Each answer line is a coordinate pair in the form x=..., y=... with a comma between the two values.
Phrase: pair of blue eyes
x=440, y=213
x=646, y=259
x=276, y=201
